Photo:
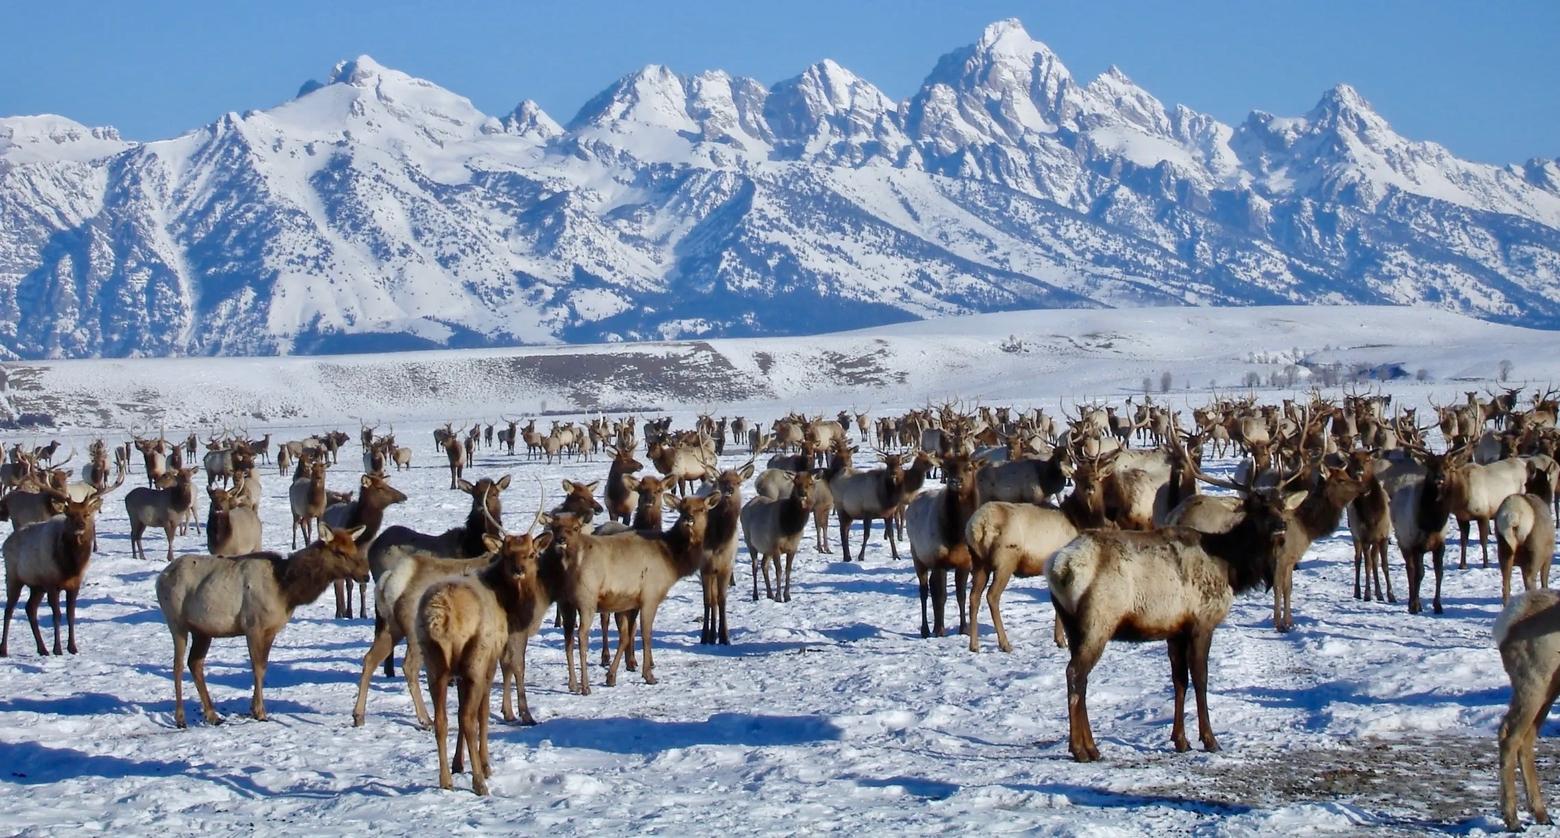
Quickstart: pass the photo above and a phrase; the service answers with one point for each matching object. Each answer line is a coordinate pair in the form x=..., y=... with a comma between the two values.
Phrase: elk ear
x=492, y=543
x=568, y=486
x=542, y=542
x=502, y=484
x=592, y=485
x=325, y=531
x=367, y=482
x=465, y=486
x=747, y=471
x=1293, y=501
x=670, y=499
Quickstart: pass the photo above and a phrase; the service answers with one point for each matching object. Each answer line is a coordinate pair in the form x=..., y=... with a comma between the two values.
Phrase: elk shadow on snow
x=629, y=735
x=1100, y=798
x=1315, y=702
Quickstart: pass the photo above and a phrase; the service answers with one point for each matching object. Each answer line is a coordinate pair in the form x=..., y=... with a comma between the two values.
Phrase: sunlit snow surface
x=826, y=713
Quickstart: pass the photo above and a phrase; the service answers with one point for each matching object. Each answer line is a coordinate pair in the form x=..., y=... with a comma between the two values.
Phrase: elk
x=155, y=457
x=231, y=529
x=1173, y=584
x=1022, y=481
x=1525, y=534
x=307, y=497
x=630, y=571
x=1016, y=539
x=720, y=550
x=774, y=526
x=375, y=495
x=455, y=452
x=1311, y=515
x=621, y=498
x=865, y=495
x=1370, y=525
x=163, y=508
x=464, y=626
x=682, y=464
x=397, y=544
x=1419, y=504
x=47, y=558
x=1527, y=633
x=936, y=520
x=203, y=597
x=1474, y=492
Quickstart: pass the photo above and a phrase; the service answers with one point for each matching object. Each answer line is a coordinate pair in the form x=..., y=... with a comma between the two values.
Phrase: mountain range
x=378, y=211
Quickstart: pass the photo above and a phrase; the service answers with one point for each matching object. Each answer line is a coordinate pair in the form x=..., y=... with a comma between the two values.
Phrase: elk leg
x=790, y=559
x=1484, y=544
x=1180, y=671
x=632, y=663
x=34, y=596
x=362, y=597
x=467, y=726
x=200, y=644
x=606, y=655
x=168, y=531
x=994, y=601
x=411, y=668
x=866, y=533
x=180, y=642
x=259, y=657
x=439, y=685
x=1437, y=555
x=54, y=611
x=646, y=620
x=960, y=578
x=1085, y=654
x=377, y=652
x=1413, y=568
x=888, y=530
x=977, y=587
x=722, y=585
x=70, y=618
x=1529, y=769
x=343, y=599
x=921, y=577
x=1504, y=557
x=567, y=616
x=625, y=639
x=1200, y=643
x=517, y=664
x=1359, y=565
x=844, y=535
x=939, y=600
x=379, y=625
x=1386, y=571
x=753, y=562
x=1462, y=531
x=581, y=645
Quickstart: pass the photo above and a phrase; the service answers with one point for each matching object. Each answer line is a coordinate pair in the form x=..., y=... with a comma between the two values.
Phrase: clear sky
x=1480, y=78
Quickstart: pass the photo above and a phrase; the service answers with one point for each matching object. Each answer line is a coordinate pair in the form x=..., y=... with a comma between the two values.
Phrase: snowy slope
x=380, y=211
x=1106, y=353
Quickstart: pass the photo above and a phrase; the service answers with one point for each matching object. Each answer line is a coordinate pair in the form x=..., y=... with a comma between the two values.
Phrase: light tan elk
x=464, y=625
x=1474, y=493
x=161, y=508
x=231, y=529
x=623, y=573
x=47, y=558
x=1527, y=632
x=682, y=464
x=398, y=544
x=1018, y=539
x=1370, y=525
x=772, y=527
x=307, y=498
x=455, y=452
x=1525, y=534
x=1173, y=584
x=204, y=597
x=865, y=496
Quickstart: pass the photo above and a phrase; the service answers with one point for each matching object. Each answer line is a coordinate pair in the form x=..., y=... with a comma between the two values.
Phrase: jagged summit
x=379, y=210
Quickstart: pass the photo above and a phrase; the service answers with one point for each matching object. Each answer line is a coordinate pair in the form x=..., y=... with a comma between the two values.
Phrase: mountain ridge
x=381, y=211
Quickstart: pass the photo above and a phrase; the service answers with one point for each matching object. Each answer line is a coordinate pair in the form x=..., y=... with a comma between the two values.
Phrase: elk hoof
x=649, y=679
x=1181, y=745
x=1211, y=745
x=357, y=720
x=1436, y=607
x=71, y=648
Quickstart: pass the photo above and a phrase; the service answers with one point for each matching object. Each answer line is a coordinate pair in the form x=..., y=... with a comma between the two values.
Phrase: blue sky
x=1478, y=78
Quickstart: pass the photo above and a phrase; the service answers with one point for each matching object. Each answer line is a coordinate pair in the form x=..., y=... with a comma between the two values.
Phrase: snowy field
x=828, y=713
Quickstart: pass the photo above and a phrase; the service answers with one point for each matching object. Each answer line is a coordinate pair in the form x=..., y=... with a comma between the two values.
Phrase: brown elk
x=162, y=508
x=47, y=558
x=375, y=495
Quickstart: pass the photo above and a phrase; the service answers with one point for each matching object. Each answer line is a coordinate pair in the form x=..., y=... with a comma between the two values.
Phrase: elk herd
x=1107, y=503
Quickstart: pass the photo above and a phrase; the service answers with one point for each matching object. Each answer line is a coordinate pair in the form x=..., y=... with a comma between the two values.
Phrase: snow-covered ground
x=827, y=713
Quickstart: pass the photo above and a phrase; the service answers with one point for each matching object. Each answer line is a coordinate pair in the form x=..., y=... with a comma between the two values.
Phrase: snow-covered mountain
x=379, y=211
